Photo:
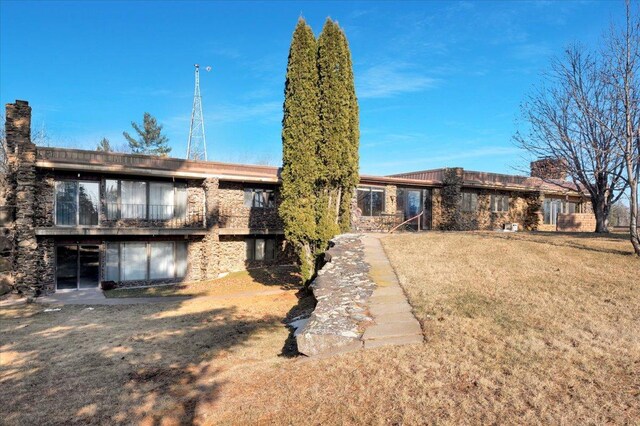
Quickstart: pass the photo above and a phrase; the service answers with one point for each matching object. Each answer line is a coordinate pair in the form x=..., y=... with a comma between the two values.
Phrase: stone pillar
x=211, y=241
x=451, y=199
x=390, y=199
x=22, y=153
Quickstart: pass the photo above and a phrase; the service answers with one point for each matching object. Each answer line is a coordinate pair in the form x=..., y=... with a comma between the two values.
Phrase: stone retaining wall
x=342, y=289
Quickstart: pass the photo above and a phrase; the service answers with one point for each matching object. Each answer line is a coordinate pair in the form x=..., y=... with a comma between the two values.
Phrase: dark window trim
x=147, y=243
x=77, y=201
x=371, y=190
x=147, y=183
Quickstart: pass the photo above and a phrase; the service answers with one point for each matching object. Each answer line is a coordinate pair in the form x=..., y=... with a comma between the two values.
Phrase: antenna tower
x=197, y=144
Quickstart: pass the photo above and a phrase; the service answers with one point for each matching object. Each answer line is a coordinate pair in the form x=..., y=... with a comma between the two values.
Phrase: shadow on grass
x=550, y=238
x=151, y=364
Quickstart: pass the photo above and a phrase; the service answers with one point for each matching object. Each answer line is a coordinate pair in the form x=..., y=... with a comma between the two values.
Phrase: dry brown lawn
x=519, y=328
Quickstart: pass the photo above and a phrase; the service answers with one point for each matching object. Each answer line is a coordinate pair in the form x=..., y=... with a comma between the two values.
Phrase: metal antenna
x=197, y=144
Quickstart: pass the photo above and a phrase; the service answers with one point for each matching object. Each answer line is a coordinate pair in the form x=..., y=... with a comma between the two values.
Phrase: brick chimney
x=17, y=126
x=549, y=168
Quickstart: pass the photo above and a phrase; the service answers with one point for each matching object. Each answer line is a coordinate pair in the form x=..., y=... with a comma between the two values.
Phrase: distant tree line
x=320, y=138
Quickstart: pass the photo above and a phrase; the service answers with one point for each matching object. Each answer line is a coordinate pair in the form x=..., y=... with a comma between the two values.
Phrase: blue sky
x=439, y=83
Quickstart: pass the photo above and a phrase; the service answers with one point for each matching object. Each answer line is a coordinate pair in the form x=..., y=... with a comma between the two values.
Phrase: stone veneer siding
x=523, y=210
x=22, y=162
x=450, y=199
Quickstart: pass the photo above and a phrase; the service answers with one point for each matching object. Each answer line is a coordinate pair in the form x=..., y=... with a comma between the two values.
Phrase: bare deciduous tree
x=622, y=75
x=569, y=118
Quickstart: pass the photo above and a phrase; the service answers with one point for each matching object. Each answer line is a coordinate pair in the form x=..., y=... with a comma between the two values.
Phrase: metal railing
x=163, y=214
x=416, y=217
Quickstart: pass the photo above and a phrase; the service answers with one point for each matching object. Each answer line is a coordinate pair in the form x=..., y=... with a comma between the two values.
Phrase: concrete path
x=392, y=315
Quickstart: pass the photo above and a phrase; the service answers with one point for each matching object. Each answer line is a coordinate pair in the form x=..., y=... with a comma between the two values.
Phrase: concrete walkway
x=392, y=315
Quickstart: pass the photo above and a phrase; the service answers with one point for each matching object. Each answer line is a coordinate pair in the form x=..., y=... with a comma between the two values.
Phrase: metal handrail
x=407, y=221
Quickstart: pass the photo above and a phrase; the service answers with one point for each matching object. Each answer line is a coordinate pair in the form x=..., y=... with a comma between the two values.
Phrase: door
x=77, y=266
x=413, y=206
x=67, y=267
x=89, y=267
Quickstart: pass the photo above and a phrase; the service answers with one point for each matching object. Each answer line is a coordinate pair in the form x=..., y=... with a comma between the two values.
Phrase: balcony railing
x=167, y=215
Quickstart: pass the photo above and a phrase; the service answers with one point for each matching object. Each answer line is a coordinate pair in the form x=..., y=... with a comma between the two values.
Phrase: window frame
x=120, y=264
x=77, y=183
x=257, y=200
x=118, y=211
x=469, y=201
x=251, y=247
x=495, y=203
x=371, y=190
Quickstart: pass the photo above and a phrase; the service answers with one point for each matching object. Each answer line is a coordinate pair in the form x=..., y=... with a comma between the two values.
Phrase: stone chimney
x=549, y=168
x=22, y=183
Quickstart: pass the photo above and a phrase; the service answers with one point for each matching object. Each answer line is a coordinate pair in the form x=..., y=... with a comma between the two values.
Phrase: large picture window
x=142, y=261
x=371, y=201
x=552, y=207
x=127, y=199
x=76, y=203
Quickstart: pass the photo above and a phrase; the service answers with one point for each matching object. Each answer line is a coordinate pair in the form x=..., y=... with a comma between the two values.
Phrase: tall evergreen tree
x=338, y=148
x=104, y=145
x=351, y=159
x=150, y=140
x=300, y=138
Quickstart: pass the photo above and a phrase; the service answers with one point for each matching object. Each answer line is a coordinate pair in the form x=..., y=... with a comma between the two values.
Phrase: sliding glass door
x=77, y=266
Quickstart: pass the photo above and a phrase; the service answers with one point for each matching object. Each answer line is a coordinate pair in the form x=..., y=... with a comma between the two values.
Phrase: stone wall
x=523, y=210
x=234, y=214
x=46, y=258
x=22, y=157
x=450, y=199
x=576, y=222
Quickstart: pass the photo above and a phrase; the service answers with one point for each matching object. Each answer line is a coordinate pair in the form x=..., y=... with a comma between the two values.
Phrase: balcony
x=124, y=219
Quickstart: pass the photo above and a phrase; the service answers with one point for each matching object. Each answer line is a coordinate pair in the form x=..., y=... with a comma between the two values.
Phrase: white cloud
x=388, y=80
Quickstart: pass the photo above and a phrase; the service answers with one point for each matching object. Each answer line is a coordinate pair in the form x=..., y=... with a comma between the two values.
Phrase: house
x=84, y=219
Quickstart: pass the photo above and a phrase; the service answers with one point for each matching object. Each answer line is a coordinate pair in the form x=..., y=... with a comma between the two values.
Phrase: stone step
x=395, y=329
x=401, y=340
x=388, y=291
x=391, y=299
x=395, y=317
x=390, y=308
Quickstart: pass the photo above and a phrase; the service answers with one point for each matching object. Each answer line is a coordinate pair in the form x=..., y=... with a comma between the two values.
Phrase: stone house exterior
x=85, y=219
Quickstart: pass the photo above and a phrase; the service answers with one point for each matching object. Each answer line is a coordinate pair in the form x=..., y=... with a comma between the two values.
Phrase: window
x=261, y=248
x=371, y=201
x=469, y=201
x=130, y=200
x=134, y=261
x=133, y=196
x=259, y=198
x=76, y=203
x=499, y=203
x=162, y=265
x=139, y=261
x=161, y=200
x=552, y=207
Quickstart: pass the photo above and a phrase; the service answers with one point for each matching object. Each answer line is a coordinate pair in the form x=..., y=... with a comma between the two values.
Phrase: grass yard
x=519, y=328
x=236, y=283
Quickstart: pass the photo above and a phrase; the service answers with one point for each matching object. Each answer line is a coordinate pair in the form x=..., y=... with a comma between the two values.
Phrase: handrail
x=407, y=221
